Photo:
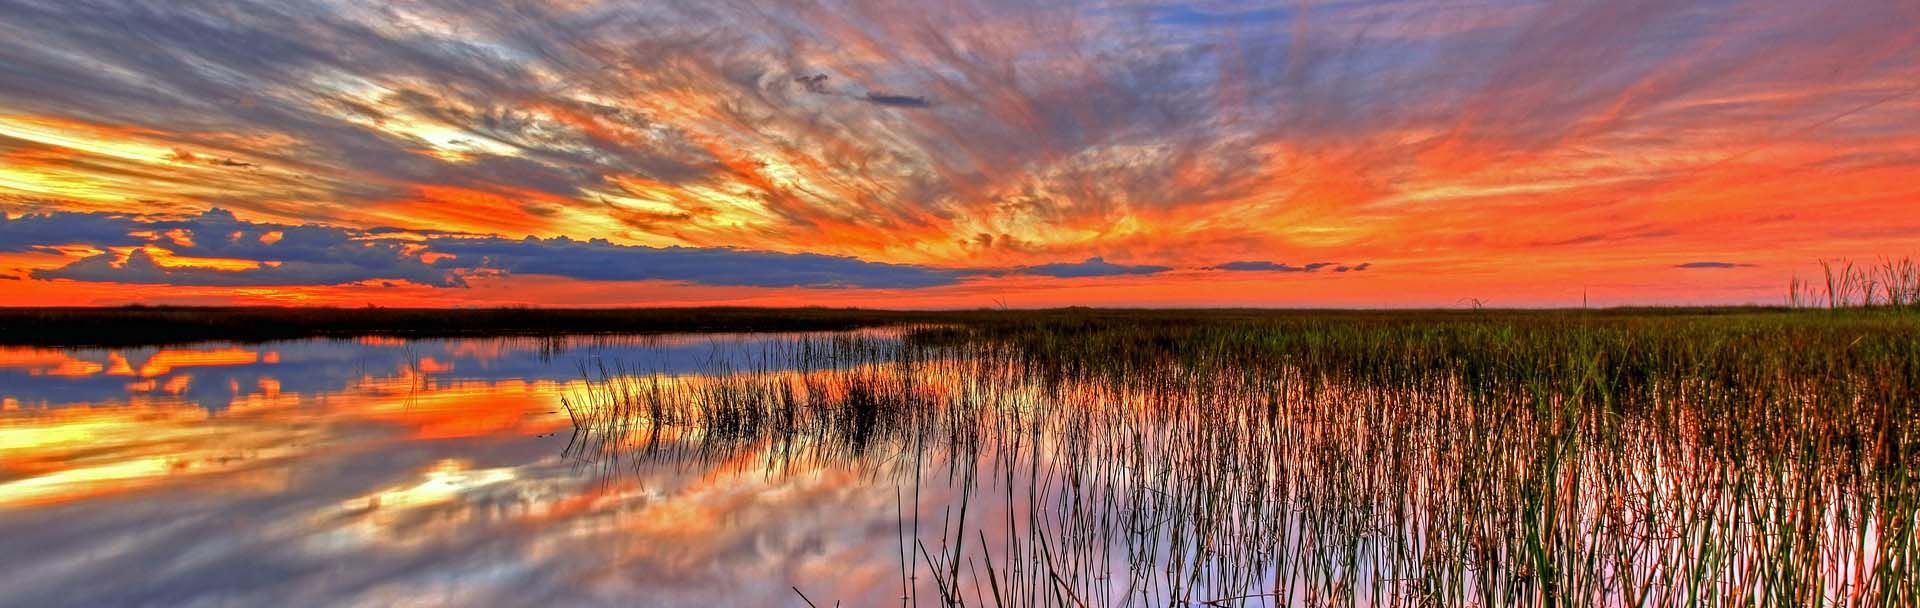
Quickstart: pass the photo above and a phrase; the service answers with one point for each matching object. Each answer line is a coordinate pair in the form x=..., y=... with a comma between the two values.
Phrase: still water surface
x=889, y=467
x=382, y=471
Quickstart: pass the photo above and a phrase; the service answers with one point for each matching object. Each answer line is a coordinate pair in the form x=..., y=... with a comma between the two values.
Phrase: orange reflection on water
x=43, y=362
x=64, y=454
x=430, y=365
x=391, y=466
x=48, y=362
x=463, y=409
x=177, y=384
x=483, y=351
x=164, y=362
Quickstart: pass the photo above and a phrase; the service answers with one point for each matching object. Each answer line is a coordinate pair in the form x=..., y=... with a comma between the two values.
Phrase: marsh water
x=380, y=471
x=789, y=469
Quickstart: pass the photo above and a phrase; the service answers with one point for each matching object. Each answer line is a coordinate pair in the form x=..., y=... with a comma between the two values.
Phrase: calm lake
x=381, y=471
x=1139, y=465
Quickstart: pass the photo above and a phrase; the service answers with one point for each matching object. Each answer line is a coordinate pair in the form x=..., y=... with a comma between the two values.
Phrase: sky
x=1393, y=153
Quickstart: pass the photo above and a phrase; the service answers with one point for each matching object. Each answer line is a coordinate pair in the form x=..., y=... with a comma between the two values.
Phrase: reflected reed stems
x=1494, y=460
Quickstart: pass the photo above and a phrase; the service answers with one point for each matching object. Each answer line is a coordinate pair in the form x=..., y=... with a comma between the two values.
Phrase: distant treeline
x=159, y=325
x=137, y=325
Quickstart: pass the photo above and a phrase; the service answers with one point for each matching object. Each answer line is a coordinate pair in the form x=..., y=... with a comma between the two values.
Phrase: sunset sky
x=950, y=154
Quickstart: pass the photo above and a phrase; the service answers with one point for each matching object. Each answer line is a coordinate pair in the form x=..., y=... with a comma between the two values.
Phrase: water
x=377, y=471
x=873, y=469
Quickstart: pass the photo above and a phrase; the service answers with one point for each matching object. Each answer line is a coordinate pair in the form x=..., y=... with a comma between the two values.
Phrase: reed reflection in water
x=1210, y=475
x=379, y=472
x=1272, y=462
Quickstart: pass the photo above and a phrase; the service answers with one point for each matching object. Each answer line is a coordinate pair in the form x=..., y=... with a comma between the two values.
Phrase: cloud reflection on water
x=377, y=471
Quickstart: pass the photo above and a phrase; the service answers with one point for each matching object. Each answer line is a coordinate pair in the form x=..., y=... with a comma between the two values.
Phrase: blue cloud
x=327, y=255
x=1266, y=266
x=1092, y=267
x=898, y=101
x=35, y=231
x=1712, y=265
x=600, y=260
x=140, y=268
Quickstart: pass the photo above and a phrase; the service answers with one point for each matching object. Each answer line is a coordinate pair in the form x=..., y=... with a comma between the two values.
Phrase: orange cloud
x=1552, y=142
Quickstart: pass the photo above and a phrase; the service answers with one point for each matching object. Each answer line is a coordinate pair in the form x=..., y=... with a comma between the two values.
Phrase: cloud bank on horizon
x=216, y=248
x=903, y=153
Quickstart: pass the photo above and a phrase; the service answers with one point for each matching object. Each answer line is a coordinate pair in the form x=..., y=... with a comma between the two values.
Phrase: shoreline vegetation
x=1888, y=287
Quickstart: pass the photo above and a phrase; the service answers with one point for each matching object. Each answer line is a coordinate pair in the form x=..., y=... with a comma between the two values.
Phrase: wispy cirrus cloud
x=1449, y=135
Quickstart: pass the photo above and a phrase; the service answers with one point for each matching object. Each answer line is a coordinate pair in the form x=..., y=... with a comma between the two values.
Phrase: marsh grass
x=1483, y=459
x=1890, y=283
